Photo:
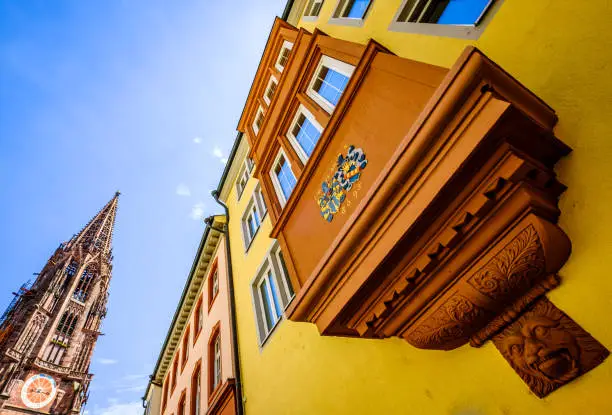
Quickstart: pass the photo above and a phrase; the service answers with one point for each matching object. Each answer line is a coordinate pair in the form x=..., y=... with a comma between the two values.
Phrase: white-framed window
x=215, y=283
x=270, y=90
x=272, y=292
x=329, y=81
x=283, y=55
x=217, y=362
x=243, y=176
x=258, y=121
x=259, y=199
x=313, y=8
x=304, y=133
x=455, y=18
x=251, y=221
x=283, y=178
x=352, y=9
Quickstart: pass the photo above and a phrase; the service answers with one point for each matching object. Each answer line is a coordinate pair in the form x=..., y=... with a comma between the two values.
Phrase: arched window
x=81, y=292
x=196, y=389
x=214, y=360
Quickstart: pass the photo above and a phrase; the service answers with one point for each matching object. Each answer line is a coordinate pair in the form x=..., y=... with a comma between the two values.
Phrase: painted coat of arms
x=335, y=189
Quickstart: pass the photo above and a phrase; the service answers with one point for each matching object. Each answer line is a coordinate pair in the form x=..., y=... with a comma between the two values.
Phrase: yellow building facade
x=561, y=51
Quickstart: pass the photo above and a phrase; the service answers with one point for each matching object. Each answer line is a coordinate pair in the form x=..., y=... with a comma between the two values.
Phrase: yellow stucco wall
x=561, y=50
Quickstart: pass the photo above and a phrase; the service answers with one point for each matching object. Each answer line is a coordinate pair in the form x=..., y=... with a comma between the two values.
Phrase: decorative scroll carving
x=51, y=367
x=547, y=348
x=450, y=324
x=514, y=269
x=14, y=354
x=514, y=311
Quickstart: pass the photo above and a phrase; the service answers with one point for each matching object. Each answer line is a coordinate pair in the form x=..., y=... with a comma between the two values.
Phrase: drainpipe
x=232, y=296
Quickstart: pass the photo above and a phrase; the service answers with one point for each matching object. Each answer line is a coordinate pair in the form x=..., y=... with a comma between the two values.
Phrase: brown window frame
x=214, y=335
x=174, y=373
x=198, y=319
x=211, y=296
x=182, y=402
x=195, y=376
x=185, y=348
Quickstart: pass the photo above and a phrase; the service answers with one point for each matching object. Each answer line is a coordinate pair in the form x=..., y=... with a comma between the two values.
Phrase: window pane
x=463, y=12
x=267, y=304
x=274, y=289
x=285, y=177
x=306, y=134
x=252, y=226
x=358, y=8
x=330, y=85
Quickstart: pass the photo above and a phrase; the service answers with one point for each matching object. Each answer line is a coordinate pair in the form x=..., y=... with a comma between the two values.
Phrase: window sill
x=263, y=342
x=433, y=29
x=346, y=21
x=310, y=18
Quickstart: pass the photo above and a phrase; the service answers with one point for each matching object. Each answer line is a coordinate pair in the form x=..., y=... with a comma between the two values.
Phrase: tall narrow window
x=198, y=320
x=250, y=222
x=313, y=8
x=329, y=81
x=270, y=90
x=213, y=283
x=283, y=55
x=352, y=9
x=258, y=122
x=304, y=133
x=214, y=359
x=217, y=363
x=283, y=178
x=272, y=292
x=259, y=199
x=81, y=292
x=181, y=405
x=243, y=176
x=196, y=389
x=185, y=355
x=174, y=371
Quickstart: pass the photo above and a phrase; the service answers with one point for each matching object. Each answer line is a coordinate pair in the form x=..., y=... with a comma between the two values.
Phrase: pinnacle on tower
x=98, y=232
x=48, y=334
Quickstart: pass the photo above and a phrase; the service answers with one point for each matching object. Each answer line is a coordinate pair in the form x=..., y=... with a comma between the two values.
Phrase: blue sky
x=138, y=96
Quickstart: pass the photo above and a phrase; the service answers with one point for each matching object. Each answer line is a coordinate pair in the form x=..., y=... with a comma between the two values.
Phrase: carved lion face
x=544, y=349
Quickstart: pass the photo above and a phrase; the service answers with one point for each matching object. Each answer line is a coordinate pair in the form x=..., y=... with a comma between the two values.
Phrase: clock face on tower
x=38, y=391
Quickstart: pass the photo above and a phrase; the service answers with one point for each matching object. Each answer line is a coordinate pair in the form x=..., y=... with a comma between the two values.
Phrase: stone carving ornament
x=547, y=348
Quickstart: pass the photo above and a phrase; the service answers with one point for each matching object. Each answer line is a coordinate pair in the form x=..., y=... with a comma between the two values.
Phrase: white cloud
x=130, y=408
x=183, y=190
x=223, y=160
x=104, y=361
x=197, y=140
x=197, y=211
x=217, y=152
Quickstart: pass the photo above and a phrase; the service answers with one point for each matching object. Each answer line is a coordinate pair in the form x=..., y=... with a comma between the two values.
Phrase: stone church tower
x=47, y=335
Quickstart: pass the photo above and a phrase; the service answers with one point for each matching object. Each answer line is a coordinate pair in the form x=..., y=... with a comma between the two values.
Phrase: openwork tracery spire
x=48, y=335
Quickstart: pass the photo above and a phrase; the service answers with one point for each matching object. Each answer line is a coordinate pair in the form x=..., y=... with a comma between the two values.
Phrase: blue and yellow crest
x=346, y=173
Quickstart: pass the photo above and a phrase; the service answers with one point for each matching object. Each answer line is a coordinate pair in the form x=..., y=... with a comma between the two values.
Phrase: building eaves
x=206, y=250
